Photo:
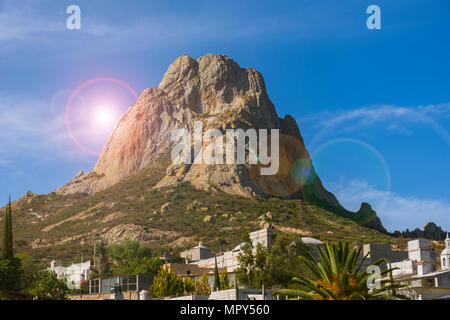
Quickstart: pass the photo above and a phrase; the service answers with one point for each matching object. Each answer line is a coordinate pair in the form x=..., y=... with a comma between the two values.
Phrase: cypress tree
x=7, y=248
x=216, y=285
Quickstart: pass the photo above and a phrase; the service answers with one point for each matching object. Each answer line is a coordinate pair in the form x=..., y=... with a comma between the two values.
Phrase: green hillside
x=65, y=227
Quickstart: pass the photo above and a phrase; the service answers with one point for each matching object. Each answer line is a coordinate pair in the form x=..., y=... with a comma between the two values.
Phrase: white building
x=76, y=274
x=203, y=257
x=419, y=272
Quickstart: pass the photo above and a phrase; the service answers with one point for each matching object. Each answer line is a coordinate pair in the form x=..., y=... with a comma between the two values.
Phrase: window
x=126, y=282
x=444, y=262
x=94, y=286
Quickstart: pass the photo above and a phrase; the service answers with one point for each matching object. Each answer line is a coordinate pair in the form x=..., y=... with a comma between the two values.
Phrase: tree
x=167, y=283
x=189, y=285
x=101, y=267
x=283, y=261
x=9, y=274
x=216, y=285
x=131, y=257
x=7, y=246
x=29, y=266
x=147, y=265
x=338, y=276
x=47, y=284
x=202, y=286
x=252, y=270
x=224, y=280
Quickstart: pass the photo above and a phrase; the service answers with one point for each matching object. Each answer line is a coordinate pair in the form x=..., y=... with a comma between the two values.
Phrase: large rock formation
x=369, y=218
x=217, y=91
x=429, y=231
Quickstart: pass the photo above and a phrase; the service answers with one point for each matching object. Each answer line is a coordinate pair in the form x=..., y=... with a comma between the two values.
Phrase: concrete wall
x=242, y=294
x=130, y=295
x=381, y=250
x=223, y=295
x=191, y=297
x=405, y=268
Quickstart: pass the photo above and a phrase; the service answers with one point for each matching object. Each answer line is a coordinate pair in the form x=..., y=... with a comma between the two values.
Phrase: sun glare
x=104, y=116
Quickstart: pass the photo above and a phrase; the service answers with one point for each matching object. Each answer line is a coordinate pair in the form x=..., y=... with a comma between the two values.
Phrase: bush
x=9, y=274
x=167, y=283
x=47, y=284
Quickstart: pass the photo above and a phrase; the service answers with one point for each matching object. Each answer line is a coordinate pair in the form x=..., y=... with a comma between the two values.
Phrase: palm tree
x=339, y=276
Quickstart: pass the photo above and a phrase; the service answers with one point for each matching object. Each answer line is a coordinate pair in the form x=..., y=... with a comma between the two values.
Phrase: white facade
x=75, y=273
x=229, y=259
x=419, y=272
x=445, y=255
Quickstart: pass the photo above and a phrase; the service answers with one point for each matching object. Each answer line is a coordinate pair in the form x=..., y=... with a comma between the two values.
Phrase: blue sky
x=373, y=105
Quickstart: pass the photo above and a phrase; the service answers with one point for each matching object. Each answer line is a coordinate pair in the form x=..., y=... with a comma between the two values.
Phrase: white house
x=420, y=273
x=204, y=258
x=76, y=274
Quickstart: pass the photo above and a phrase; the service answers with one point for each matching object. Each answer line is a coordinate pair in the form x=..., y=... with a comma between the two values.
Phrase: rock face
x=372, y=221
x=429, y=231
x=215, y=90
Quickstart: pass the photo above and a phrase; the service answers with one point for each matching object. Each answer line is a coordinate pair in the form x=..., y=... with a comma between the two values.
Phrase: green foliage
x=84, y=289
x=167, y=283
x=189, y=285
x=128, y=250
x=9, y=274
x=216, y=285
x=202, y=286
x=135, y=197
x=130, y=257
x=338, y=275
x=103, y=265
x=258, y=266
x=283, y=261
x=252, y=270
x=147, y=265
x=7, y=245
x=46, y=284
x=29, y=266
x=224, y=280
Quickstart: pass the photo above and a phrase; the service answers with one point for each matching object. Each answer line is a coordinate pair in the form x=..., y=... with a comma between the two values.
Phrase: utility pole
x=95, y=254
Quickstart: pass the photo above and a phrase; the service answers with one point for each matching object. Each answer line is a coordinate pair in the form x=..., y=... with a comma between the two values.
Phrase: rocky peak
x=217, y=91
x=429, y=231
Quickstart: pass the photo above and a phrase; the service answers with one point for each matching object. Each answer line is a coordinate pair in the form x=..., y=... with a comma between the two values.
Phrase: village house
x=204, y=258
x=76, y=274
x=417, y=268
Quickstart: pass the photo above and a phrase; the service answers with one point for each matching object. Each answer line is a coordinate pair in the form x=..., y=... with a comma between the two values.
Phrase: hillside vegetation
x=167, y=219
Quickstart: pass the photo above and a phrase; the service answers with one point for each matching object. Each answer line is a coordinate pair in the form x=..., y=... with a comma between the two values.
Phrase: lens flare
x=366, y=161
x=92, y=119
x=302, y=172
x=104, y=116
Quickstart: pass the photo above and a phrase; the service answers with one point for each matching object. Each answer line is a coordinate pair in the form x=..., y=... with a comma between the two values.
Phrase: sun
x=104, y=116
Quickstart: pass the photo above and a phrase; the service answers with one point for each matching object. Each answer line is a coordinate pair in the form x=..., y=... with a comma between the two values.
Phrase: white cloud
x=27, y=23
x=392, y=118
x=28, y=128
x=395, y=211
x=369, y=115
x=19, y=22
